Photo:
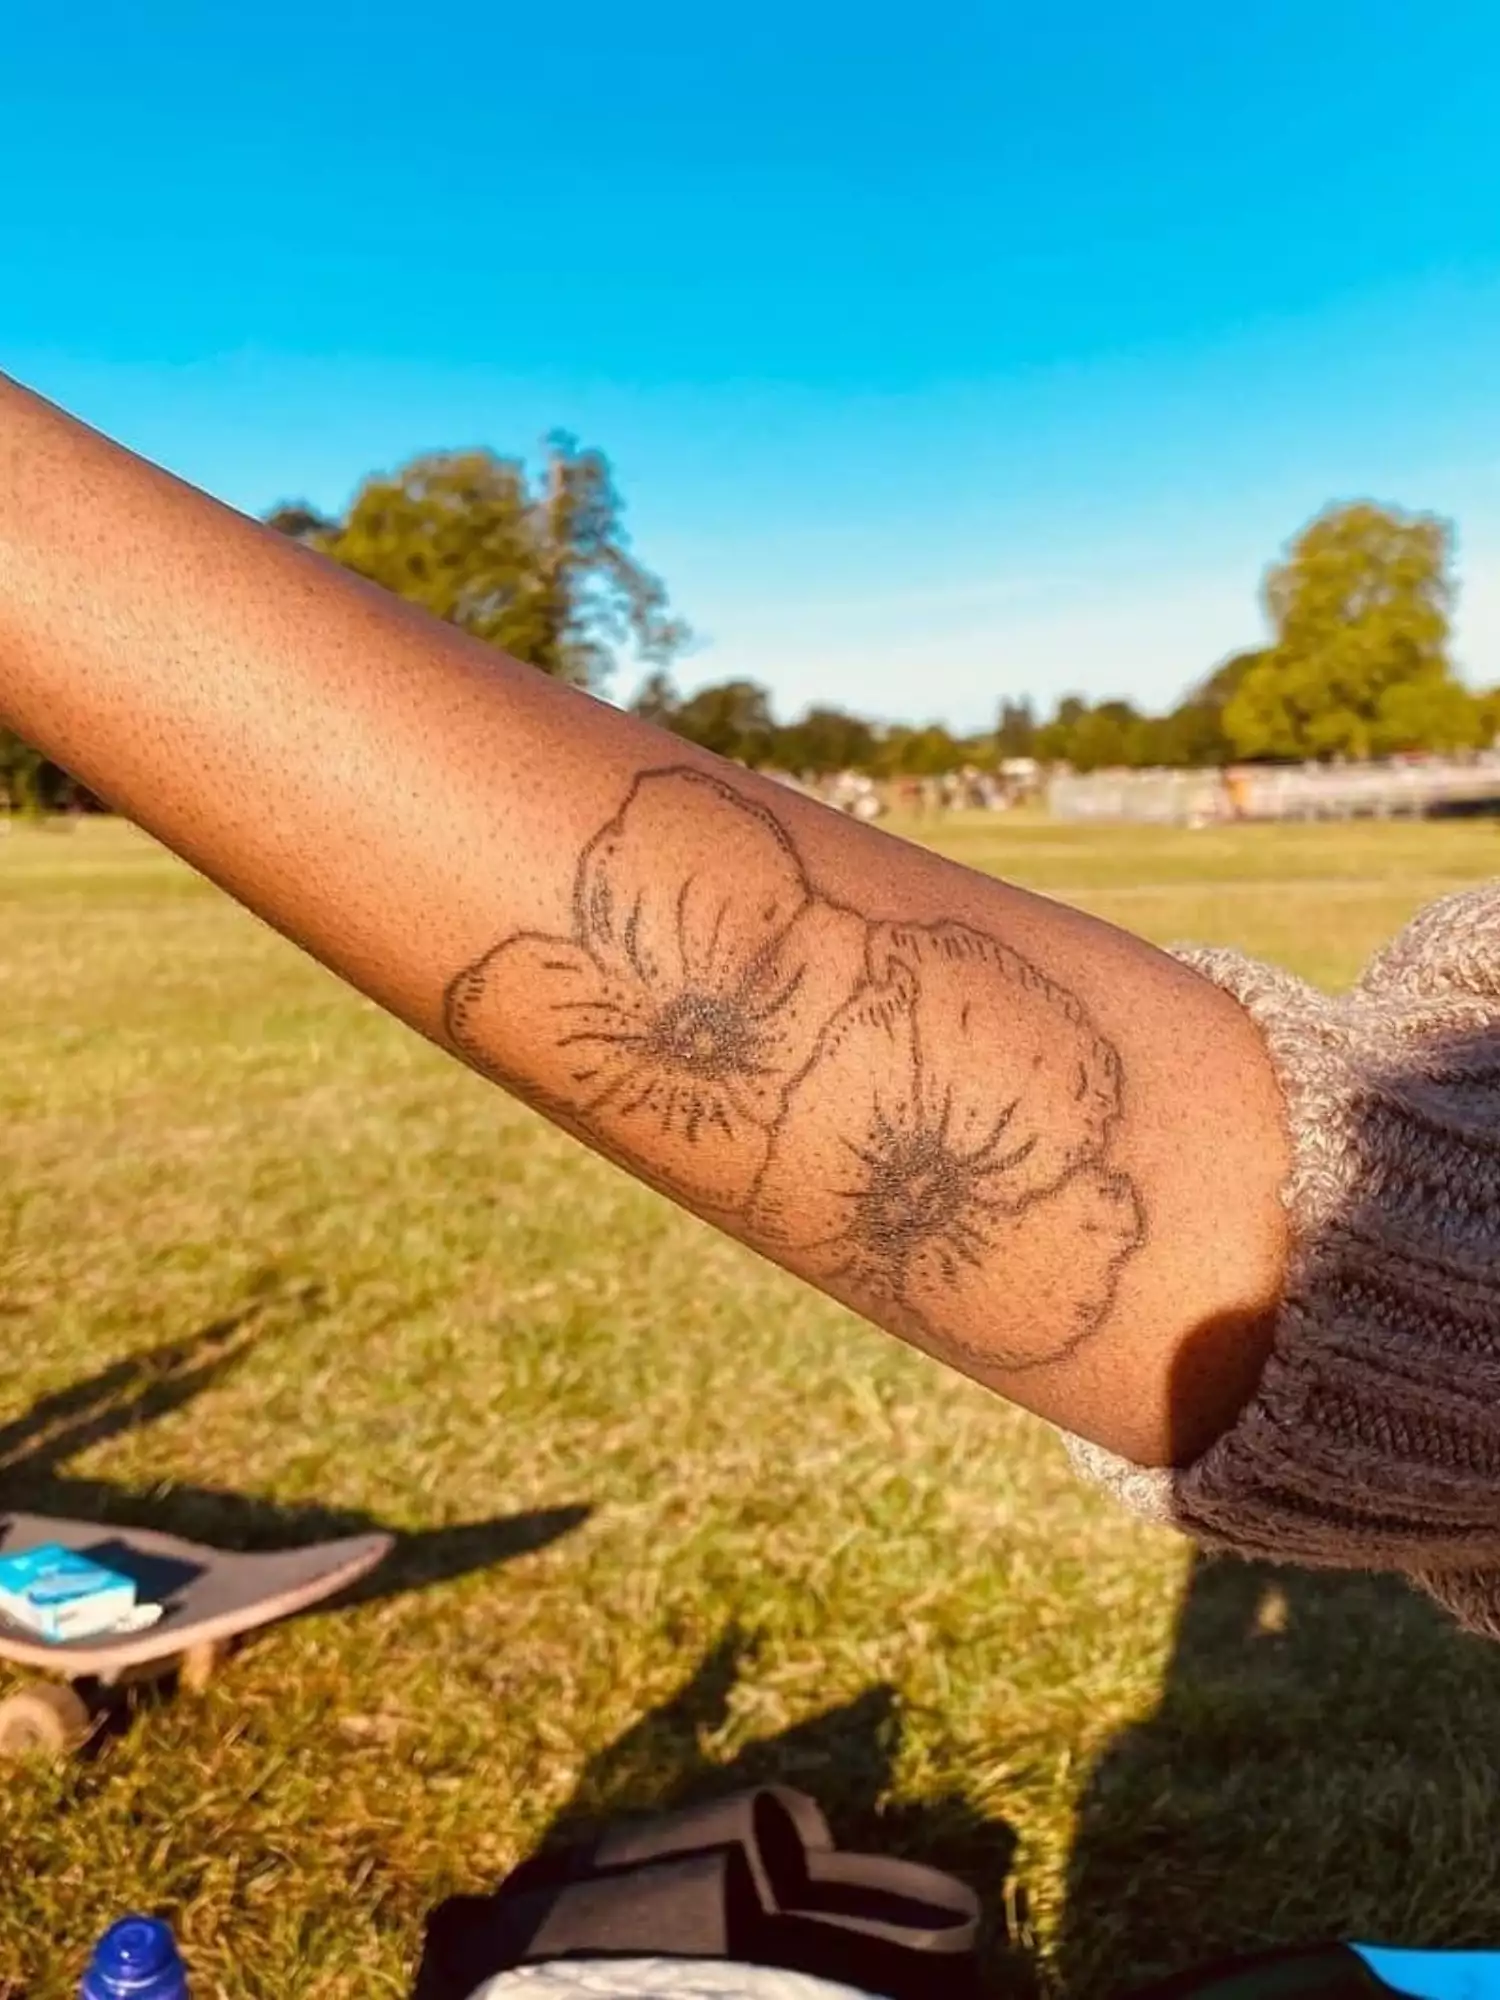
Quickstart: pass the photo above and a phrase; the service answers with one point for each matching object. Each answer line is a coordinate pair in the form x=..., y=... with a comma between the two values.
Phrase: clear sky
x=942, y=353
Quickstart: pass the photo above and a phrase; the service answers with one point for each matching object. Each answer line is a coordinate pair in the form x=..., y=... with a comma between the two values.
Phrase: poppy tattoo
x=912, y=1115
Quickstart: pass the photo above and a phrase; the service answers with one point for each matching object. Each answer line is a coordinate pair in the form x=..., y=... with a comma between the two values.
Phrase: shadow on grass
x=1319, y=1762
x=151, y=1384
x=845, y=1758
x=1319, y=1765
x=136, y=1390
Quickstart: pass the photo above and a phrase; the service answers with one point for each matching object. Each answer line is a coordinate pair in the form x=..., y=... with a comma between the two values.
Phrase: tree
x=656, y=699
x=301, y=523
x=31, y=783
x=826, y=739
x=733, y=719
x=1432, y=713
x=1359, y=666
x=1015, y=731
x=1224, y=683
x=1487, y=718
x=1190, y=737
x=1106, y=737
x=1054, y=739
x=543, y=571
x=24, y=774
x=1193, y=734
x=904, y=752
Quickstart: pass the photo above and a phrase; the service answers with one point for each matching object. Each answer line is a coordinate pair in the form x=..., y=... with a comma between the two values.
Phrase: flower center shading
x=915, y=1188
x=703, y=1034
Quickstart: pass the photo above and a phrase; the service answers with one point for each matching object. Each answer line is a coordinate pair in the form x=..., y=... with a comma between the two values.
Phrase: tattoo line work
x=912, y=1115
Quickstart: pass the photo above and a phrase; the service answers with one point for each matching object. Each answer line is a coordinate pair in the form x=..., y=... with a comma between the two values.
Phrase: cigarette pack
x=60, y=1595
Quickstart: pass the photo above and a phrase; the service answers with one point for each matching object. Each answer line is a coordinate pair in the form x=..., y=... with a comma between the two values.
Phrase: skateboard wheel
x=43, y=1722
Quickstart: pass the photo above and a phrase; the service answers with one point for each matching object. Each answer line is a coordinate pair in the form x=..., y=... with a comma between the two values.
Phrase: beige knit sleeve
x=1373, y=1441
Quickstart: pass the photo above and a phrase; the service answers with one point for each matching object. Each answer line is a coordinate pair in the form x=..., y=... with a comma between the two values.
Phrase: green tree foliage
x=925, y=752
x=826, y=739
x=1113, y=735
x=301, y=523
x=1053, y=742
x=1224, y=683
x=1433, y=712
x=542, y=568
x=1193, y=734
x=1108, y=736
x=733, y=720
x=30, y=783
x=1359, y=666
x=1015, y=730
x=1487, y=718
x=656, y=699
x=23, y=775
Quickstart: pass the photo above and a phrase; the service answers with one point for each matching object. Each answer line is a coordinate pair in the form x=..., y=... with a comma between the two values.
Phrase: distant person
x=1236, y=794
x=1237, y=1237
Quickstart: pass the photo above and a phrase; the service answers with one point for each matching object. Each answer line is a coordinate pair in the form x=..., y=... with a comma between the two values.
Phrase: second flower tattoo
x=911, y=1114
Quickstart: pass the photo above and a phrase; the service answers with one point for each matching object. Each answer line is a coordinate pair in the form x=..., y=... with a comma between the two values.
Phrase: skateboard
x=208, y=1597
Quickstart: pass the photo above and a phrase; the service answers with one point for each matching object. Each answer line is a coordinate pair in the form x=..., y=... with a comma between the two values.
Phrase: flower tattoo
x=699, y=977
x=912, y=1115
x=961, y=1110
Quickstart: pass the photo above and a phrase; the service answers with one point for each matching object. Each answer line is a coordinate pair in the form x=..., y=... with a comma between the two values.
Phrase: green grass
x=269, y=1266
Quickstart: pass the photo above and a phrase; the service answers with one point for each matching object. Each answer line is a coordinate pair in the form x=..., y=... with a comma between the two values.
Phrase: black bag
x=753, y=1879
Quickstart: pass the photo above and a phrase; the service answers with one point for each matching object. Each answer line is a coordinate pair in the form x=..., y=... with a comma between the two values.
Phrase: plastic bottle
x=136, y=1959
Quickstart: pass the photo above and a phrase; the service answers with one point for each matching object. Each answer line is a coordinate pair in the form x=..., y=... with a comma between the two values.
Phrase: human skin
x=1027, y=1142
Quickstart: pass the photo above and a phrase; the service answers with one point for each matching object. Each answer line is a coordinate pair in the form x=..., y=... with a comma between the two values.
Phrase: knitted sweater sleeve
x=1373, y=1441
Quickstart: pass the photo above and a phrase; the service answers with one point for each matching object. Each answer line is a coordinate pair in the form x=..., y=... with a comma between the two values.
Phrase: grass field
x=270, y=1267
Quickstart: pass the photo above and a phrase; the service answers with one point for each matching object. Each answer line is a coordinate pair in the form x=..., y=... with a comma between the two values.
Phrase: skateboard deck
x=207, y=1595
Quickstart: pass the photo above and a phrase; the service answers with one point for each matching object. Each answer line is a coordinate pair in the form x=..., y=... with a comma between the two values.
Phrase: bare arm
x=1027, y=1142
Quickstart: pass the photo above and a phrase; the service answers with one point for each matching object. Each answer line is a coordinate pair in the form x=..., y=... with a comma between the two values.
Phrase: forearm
x=1027, y=1142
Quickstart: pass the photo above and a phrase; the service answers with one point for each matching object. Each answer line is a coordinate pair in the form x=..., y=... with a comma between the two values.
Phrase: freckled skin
x=938, y=1143
x=1016, y=1136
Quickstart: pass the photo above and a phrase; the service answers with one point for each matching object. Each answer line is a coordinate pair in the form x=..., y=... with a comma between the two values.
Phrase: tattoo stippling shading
x=912, y=1115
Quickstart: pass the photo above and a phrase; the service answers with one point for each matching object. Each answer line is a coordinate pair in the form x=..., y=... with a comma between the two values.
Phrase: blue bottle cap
x=136, y=1959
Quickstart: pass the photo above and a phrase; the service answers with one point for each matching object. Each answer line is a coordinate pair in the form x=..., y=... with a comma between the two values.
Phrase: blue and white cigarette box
x=59, y=1594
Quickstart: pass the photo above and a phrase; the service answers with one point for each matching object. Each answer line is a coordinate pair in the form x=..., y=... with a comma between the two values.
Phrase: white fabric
x=659, y=1979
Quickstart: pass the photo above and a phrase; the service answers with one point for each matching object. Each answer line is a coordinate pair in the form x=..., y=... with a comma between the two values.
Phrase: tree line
x=1359, y=666
x=538, y=562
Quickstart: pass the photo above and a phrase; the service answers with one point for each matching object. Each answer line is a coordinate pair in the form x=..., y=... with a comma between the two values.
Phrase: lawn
x=270, y=1267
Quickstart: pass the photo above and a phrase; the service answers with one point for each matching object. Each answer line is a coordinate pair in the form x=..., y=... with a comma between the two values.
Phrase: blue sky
x=942, y=354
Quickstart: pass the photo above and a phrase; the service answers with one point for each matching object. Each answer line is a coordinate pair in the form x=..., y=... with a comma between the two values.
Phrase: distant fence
x=1295, y=792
